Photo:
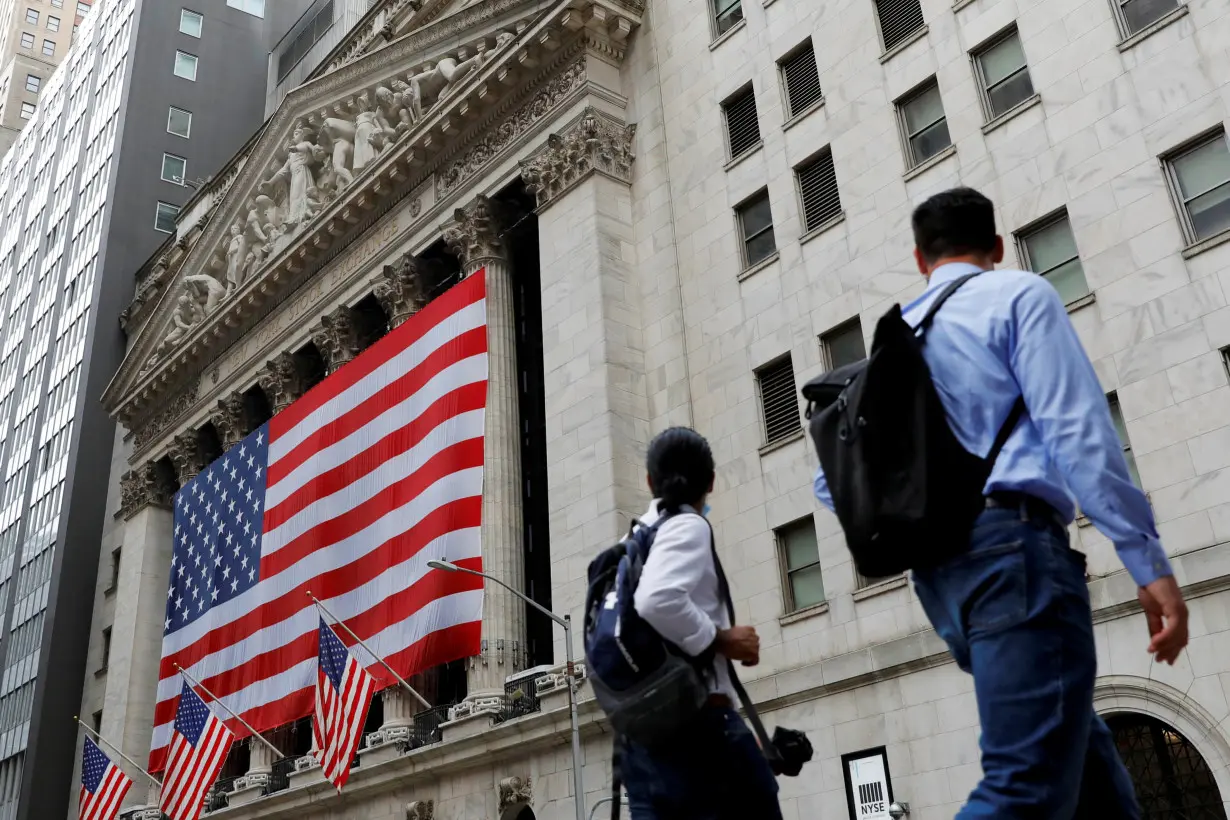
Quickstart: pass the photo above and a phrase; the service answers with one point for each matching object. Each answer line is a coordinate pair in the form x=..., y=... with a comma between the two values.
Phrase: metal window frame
x=903, y=130
x=756, y=374
x=715, y=12
x=1020, y=238
x=53, y=47
x=31, y=107
x=1168, y=160
x=742, y=234
x=51, y=17
x=749, y=90
x=200, y=22
x=797, y=170
x=33, y=40
x=32, y=11
x=1114, y=406
x=170, y=110
x=783, y=563
x=809, y=42
x=158, y=210
x=162, y=171
x=38, y=83
x=984, y=89
x=826, y=351
x=1125, y=30
x=885, y=47
x=196, y=62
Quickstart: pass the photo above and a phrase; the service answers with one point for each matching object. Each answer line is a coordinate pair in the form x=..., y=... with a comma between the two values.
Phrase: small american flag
x=103, y=785
x=347, y=493
x=343, y=694
x=198, y=750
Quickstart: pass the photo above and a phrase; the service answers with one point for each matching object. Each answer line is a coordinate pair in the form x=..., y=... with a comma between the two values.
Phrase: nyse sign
x=867, y=785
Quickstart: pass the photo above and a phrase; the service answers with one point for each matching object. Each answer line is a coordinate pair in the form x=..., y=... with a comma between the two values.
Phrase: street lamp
x=566, y=622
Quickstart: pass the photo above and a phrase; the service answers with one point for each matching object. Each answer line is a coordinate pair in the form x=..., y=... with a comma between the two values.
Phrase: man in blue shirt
x=1014, y=609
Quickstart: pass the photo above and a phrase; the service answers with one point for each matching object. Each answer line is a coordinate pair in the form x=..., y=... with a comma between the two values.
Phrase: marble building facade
x=663, y=301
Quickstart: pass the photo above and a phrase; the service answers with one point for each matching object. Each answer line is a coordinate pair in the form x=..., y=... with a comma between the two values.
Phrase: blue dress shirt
x=1006, y=333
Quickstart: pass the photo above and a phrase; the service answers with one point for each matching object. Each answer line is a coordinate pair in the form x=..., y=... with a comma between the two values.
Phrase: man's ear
x=997, y=255
x=921, y=262
x=649, y=483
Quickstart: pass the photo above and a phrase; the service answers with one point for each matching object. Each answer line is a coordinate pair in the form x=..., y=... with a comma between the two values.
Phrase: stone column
x=402, y=290
x=253, y=782
x=474, y=236
x=185, y=454
x=230, y=420
x=281, y=381
x=337, y=338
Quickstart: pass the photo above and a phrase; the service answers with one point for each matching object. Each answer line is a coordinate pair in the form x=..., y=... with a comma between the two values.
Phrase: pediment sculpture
x=326, y=152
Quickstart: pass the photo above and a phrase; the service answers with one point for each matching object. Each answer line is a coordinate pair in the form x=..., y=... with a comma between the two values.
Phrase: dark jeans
x=1015, y=614
x=715, y=771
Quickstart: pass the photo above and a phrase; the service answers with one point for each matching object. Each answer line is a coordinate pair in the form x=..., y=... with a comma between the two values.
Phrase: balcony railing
x=279, y=779
x=426, y=729
x=520, y=699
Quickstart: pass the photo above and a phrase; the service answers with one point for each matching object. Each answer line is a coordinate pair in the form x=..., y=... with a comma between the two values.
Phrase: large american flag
x=103, y=785
x=198, y=750
x=347, y=494
x=343, y=694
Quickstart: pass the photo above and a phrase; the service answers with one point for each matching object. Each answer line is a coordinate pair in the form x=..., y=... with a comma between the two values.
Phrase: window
x=27, y=40
x=725, y=14
x=253, y=7
x=106, y=649
x=164, y=218
x=923, y=123
x=33, y=83
x=83, y=8
x=32, y=17
x=843, y=345
x=742, y=127
x=1003, y=74
x=818, y=190
x=185, y=65
x=305, y=39
x=800, y=558
x=1049, y=249
x=1116, y=416
x=1135, y=15
x=59, y=4
x=27, y=110
x=98, y=716
x=1200, y=179
x=179, y=122
x=190, y=23
x=173, y=168
x=49, y=48
x=115, y=570
x=801, y=79
x=898, y=20
x=756, y=225
x=779, y=406
x=53, y=23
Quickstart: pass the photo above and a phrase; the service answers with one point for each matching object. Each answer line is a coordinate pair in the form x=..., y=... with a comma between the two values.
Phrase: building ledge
x=927, y=164
x=750, y=151
x=795, y=119
x=752, y=270
x=904, y=44
x=823, y=227
x=781, y=443
x=1012, y=113
x=1084, y=301
x=803, y=614
x=960, y=4
x=1165, y=21
x=728, y=33
x=1197, y=248
x=881, y=587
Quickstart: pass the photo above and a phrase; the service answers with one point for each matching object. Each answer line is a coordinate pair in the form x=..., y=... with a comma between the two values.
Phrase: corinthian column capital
x=402, y=289
x=141, y=487
x=594, y=143
x=475, y=234
x=281, y=381
x=185, y=453
x=228, y=419
x=337, y=338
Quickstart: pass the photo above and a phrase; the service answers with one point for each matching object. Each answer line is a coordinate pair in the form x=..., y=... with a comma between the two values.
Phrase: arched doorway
x=1173, y=781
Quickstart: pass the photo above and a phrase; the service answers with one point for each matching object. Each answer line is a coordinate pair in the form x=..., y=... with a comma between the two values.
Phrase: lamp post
x=566, y=622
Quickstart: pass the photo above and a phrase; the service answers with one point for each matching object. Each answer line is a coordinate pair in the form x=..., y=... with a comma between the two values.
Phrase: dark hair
x=680, y=466
x=954, y=223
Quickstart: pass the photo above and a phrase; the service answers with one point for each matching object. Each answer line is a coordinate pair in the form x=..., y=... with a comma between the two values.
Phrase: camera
x=899, y=810
x=793, y=750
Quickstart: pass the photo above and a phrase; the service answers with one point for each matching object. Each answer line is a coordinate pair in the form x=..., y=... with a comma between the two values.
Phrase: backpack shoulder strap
x=1010, y=423
x=949, y=290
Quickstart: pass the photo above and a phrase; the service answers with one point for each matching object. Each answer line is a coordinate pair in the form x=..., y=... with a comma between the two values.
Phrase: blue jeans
x=715, y=771
x=1015, y=614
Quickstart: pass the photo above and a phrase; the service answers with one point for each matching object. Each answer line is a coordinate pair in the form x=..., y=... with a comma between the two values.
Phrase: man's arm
x=820, y=486
x=681, y=551
x=1066, y=404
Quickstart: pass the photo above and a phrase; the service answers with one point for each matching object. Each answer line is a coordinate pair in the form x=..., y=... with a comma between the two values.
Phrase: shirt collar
x=950, y=272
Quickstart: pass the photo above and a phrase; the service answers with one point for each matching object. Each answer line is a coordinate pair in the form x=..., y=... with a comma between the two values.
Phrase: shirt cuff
x=696, y=643
x=1148, y=562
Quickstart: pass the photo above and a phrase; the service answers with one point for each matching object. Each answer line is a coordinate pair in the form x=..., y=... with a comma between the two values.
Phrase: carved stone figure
x=513, y=791
x=236, y=256
x=296, y=174
x=206, y=290
x=421, y=810
x=369, y=131
x=188, y=314
x=340, y=135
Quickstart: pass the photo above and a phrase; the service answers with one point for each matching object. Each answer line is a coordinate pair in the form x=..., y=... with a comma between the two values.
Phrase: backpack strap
x=939, y=301
x=1010, y=423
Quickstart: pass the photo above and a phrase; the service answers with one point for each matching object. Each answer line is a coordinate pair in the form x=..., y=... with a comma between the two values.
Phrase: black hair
x=680, y=466
x=954, y=223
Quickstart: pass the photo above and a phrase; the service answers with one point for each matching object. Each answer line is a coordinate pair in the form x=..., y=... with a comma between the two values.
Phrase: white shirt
x=678, y=592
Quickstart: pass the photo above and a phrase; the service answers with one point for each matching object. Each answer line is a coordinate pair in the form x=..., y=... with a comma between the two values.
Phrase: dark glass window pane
x=931, y=141
x=1010, y=93
x=1140, y=13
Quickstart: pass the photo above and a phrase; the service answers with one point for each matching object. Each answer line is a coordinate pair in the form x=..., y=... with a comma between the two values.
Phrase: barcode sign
x=871, y=799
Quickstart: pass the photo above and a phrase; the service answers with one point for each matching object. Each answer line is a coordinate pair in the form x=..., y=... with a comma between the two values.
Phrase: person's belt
x=1031, y=507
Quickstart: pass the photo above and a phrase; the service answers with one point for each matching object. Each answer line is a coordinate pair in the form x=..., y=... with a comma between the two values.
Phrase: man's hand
x=1166, y=614
x=739, y=643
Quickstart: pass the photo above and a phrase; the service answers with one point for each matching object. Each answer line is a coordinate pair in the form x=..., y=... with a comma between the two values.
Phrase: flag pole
x=276, y=754
x=379, y=659
x=115, y=749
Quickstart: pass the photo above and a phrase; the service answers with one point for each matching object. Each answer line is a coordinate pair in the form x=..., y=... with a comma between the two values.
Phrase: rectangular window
x=83, y=8
x=898, y=20
x=1135, y=15
x=779, y=405
x=59, y=4
x=725, y=14
x=190, y=23
x=1116, y=416
x=1049, y=249
x=254, y=7
x=174, y=168
x=1003, y=74
x=98, y=716
x=818, y=189
x=801, y=79
x=33, y=83
x=179, y=122
x=305, y=39
x=742, y=126
x=185, y=65
x=32, y=17
x=756, y=226
x=164, y=217
x=1200, y=180
x=53, y=23
x=923, y=124
x=115, y=570
x=27, y=110
x=49, y=48
x=106, y=649
x=27, y=40
x=800, y=557
x=843, y=345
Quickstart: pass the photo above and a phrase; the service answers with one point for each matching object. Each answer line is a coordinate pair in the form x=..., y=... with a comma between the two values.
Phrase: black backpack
x=904, y=488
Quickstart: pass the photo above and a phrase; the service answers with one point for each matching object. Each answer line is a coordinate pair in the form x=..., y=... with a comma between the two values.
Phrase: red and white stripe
x=104, y=804
x=337, y=724
x=192, y=770
x=377, y=470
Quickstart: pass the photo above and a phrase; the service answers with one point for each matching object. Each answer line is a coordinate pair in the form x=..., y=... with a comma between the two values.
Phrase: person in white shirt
x=715, y=769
